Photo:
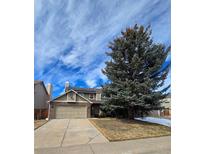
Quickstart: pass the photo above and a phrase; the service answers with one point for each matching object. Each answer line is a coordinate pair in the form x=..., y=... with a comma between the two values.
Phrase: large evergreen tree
x=135, y=73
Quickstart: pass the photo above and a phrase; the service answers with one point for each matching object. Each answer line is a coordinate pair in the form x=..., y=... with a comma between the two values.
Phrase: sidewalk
x=160, y=145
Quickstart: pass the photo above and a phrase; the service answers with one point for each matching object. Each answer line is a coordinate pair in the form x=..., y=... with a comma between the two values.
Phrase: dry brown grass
x=122, y=129
x=39, y=123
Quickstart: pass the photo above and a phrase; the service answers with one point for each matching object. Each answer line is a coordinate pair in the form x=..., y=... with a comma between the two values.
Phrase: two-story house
x=76, y=103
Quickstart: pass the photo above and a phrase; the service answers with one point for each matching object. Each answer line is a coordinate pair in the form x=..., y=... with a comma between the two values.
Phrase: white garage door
x=71, y=112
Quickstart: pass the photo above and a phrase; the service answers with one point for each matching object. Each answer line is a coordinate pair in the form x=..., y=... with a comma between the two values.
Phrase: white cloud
x=77, y=34
x=91, y=83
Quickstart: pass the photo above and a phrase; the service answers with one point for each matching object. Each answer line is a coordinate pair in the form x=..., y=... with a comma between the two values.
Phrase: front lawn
x=122, y=129
x=39, y=123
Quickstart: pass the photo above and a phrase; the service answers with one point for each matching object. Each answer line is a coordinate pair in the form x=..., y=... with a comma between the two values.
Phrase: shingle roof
x=87, y=90
x=37, y=81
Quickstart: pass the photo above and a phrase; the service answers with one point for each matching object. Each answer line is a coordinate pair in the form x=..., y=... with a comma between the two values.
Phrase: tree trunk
x=131, y=113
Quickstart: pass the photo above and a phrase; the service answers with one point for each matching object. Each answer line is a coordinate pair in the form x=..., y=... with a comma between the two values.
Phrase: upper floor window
x=91, y=96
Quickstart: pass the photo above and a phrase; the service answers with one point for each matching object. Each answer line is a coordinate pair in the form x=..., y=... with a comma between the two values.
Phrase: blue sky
x=71, y=36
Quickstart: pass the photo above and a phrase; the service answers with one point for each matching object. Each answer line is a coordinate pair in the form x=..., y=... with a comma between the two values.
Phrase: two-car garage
x=70, y=111
x=70, y=105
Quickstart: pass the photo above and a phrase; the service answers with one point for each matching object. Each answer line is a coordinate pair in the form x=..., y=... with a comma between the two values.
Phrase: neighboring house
x=167, y=107
x=164, y=112
x=76, y=103
x=41, y=98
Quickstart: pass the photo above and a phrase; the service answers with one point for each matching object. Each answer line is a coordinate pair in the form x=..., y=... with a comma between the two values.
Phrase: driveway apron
x=67, y=132
x=51, y=134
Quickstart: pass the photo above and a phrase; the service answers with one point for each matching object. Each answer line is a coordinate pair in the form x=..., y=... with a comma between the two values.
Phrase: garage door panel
x=71, y=112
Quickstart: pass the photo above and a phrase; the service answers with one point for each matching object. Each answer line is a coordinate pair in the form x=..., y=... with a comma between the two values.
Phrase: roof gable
x=65, y=97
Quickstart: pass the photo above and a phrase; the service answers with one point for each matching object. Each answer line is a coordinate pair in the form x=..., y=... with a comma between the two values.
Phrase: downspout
x=49, y=91
x=49, y=108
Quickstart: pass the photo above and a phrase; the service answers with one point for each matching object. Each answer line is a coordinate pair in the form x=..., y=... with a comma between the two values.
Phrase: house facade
x=76, y=103
x=41, y=97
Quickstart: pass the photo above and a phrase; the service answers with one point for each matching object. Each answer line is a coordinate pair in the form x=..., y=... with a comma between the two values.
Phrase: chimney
x=67, y=86
x=49, y=89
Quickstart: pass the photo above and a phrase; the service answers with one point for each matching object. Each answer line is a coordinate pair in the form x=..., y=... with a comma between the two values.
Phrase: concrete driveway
x=67, y=132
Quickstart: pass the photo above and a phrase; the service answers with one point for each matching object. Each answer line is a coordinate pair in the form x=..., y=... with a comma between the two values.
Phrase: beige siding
x=78, y=98
x=62, y=98
x=98, y=96
x=67, y=97
x=86, y=96
x=71, y=96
